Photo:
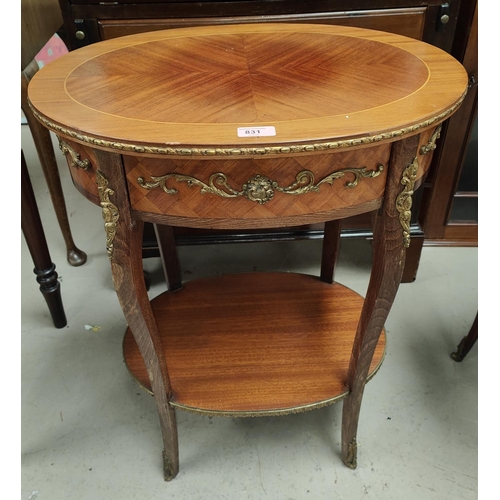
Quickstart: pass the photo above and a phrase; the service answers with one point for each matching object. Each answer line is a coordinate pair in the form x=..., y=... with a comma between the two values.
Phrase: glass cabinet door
x=465, y=202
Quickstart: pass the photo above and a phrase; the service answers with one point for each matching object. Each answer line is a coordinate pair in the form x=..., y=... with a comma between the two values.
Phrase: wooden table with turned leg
x=250, y=126
x=40, y=19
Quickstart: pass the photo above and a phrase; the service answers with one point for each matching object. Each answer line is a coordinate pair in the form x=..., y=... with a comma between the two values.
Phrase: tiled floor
x=89, y=432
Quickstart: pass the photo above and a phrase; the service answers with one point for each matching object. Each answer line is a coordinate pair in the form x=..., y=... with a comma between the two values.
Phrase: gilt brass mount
x=168, y=468
x=459, y=355
x=431, y=144
x=75, y=160
x=259, y=188
x=110, y=212
x=352, y=454
x=404, y=199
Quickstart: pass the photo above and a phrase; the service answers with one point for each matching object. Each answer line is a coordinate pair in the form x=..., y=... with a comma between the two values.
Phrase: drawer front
x=407, y=21
x=82, y=165
x=262, y=192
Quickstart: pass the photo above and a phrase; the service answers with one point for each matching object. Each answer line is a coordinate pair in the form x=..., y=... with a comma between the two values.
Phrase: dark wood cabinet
x=444, y=24
x=103, y=20
x=88, y=21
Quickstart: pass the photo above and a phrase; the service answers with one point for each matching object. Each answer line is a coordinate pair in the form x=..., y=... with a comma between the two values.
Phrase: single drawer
x=257, y=192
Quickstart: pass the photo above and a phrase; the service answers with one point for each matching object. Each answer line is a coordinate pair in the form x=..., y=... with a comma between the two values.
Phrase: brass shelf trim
x=259, y=188
x=260, y=413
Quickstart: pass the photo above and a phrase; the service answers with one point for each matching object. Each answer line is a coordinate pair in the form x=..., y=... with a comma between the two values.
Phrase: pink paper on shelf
x=53, y=49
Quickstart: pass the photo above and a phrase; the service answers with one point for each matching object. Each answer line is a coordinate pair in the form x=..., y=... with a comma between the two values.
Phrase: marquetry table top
x=243, y=88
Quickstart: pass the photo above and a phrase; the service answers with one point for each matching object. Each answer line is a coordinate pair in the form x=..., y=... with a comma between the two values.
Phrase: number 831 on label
x=256, y=131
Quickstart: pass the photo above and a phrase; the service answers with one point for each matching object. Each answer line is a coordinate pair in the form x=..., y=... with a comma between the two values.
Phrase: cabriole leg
x=124, y=247
x=390, y=239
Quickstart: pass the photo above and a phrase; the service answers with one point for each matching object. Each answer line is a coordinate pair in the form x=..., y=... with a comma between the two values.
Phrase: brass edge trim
x=431, y=144
x=110, y=212
x=260, y=188
x=404, y=199
x=75, y=160
x=261, y=413
x=247, y=151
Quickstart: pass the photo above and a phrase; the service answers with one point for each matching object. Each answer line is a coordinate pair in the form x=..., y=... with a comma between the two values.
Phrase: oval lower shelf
x=255, y=344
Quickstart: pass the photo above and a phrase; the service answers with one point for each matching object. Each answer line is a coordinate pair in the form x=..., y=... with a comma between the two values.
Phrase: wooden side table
x=240, y=127
x=39, y=21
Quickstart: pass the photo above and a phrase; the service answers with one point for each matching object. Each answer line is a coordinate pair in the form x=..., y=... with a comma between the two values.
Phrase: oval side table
x=245, y=126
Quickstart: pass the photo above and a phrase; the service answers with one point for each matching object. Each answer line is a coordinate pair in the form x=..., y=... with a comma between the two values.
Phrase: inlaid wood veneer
x=259, y=192
x=320, y=86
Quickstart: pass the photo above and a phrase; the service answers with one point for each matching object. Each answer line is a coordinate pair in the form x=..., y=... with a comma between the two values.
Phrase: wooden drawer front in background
x=259, y=190
x=89, y=21
x=81, y=163
x=407, y=22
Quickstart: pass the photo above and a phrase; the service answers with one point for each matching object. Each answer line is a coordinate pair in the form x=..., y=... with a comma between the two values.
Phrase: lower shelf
x=255, y=344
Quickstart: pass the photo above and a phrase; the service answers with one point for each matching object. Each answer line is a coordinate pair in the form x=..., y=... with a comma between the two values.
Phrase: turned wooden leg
x=168, y=253
x=45, y=269
x=45, y=150
x=390, y=238
x=124, y=247
x=331, y=243
x=467, y=343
